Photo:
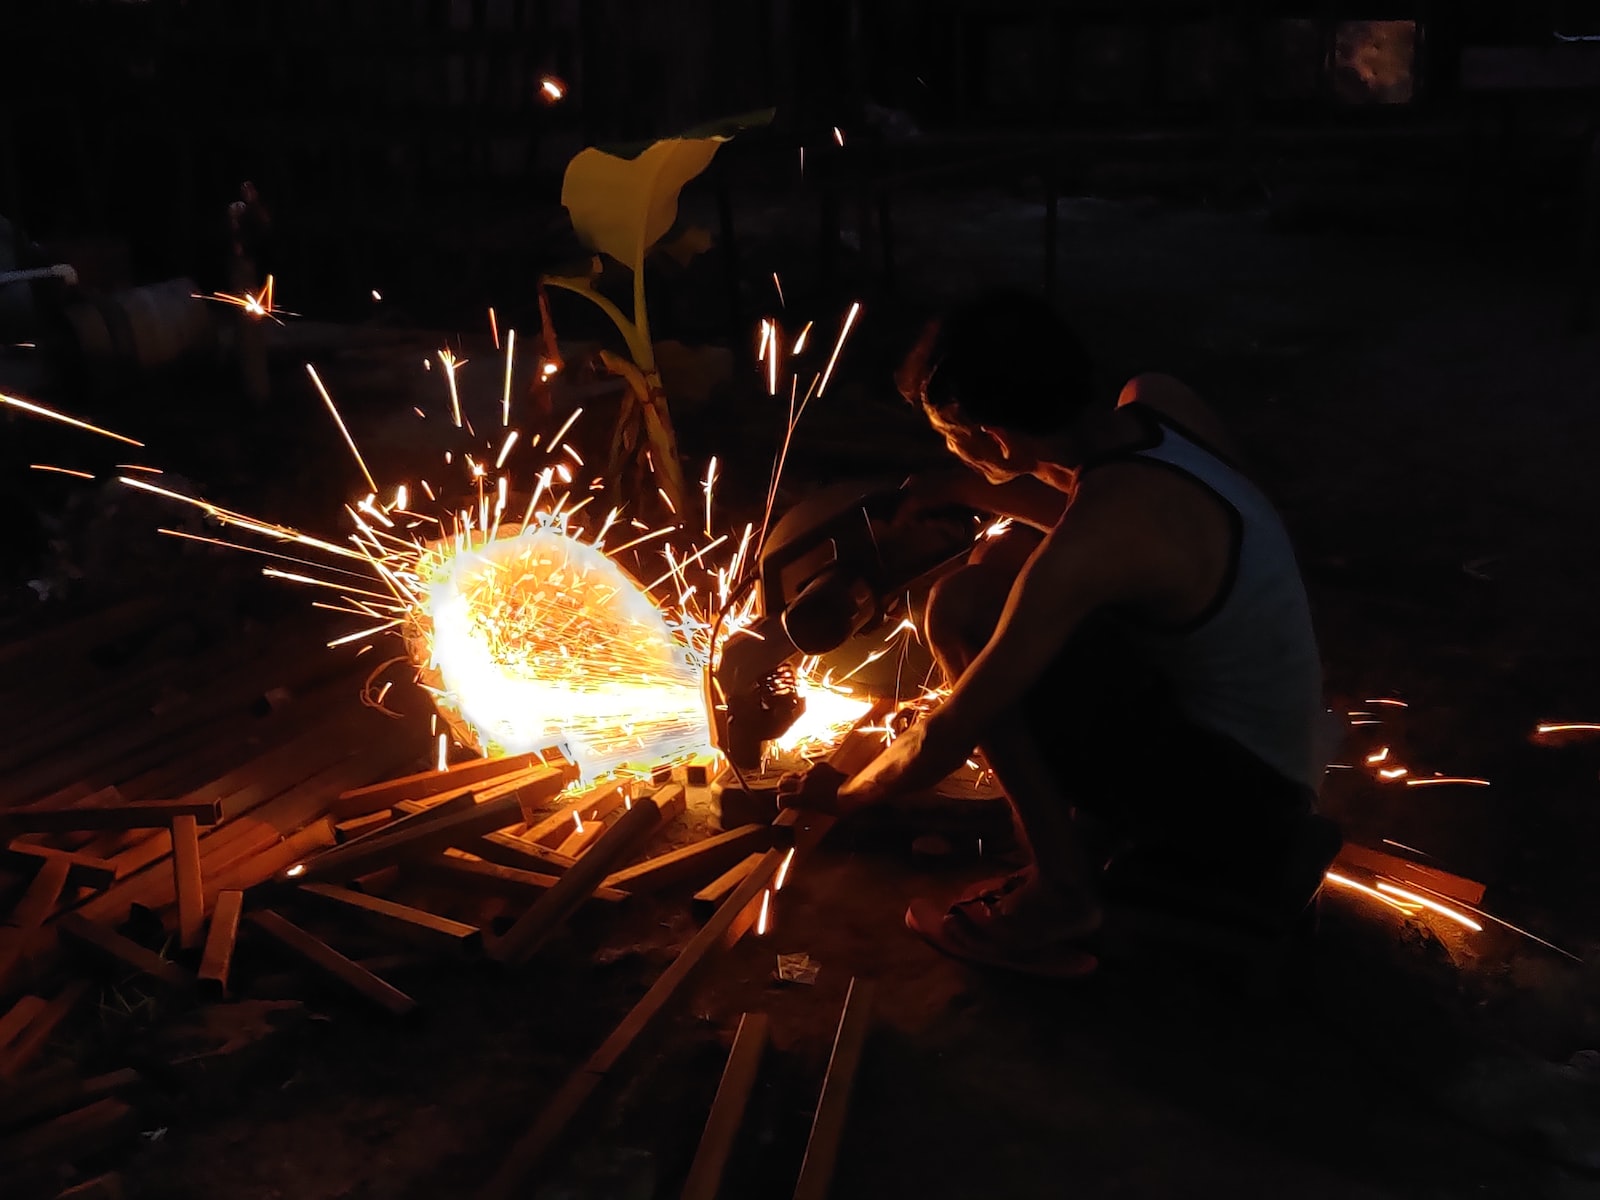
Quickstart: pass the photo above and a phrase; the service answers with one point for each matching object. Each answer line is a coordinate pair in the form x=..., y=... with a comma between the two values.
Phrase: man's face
x=979, y=448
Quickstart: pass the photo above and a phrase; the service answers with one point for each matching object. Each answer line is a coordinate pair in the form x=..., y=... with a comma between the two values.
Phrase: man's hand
x=933, y=493
x=816, y=790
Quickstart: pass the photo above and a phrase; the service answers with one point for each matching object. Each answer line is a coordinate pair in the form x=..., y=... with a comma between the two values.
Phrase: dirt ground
x=1423, y=417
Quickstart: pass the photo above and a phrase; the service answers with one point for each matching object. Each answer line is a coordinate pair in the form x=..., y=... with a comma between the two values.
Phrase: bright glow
x=830, y=712
x=1392, y=772
x=1430, y=905
x=1346, y=882
x=297, y=870
x=1378, y=756
x=783, y=870
x=50, y=414
x=60, y=471
x=1570, y=727
x=1448, y=779
x=552, y=88
x=539, y=637
x=766, y=905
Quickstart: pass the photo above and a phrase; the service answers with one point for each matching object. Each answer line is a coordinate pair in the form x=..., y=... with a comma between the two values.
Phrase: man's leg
x=963, y=610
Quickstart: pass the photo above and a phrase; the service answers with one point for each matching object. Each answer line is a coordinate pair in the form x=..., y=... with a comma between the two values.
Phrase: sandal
x=977, y=930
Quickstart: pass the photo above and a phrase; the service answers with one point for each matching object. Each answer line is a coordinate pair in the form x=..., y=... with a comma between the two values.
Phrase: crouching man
x=1138, y=652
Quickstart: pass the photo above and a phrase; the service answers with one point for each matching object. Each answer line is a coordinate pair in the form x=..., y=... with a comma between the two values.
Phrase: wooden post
x=551, y=910
x=26, y=1047
x=550, y=1126
x=480, y=771
x=39, y=901
x=130, y=814
x=415, y=923
x=692, y=862
x=827, y=1128
x=727, y=1110
x=186, y=880
x=110, y=945
x=218, y=959
x=331, y=963
x=383, y=848
x=580, y=840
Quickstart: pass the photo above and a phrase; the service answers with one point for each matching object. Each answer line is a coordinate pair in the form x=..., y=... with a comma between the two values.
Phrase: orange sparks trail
x=1345, y=881
x=494, y=328
x=505, y=398
x=60, y=471
x=50, y=414
x=1447, y=779
x=766, y=905
x=1569, y=727
x=1430, y=905
x=855, y=310
x=339, y=421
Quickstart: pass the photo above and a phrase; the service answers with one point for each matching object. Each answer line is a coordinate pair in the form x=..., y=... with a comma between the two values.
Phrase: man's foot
x=1017, y=923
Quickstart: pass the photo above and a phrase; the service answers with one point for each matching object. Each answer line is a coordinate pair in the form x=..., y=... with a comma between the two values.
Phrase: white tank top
x=1248, y=667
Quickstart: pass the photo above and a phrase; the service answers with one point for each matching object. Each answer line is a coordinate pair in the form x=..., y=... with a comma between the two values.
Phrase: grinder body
x=833, y=567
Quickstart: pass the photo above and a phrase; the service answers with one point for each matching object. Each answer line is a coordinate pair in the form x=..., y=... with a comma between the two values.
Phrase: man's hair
x=1003, y=359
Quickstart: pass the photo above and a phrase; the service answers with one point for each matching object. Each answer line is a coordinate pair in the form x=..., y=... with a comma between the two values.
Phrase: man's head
x=1004, y=380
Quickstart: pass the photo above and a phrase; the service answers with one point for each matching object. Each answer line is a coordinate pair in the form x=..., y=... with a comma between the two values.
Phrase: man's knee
x=964, y=608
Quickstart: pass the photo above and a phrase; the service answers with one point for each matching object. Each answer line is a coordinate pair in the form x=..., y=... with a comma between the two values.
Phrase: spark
x=567, y=449
x=548, y=369
x=566, y=425
x=706, y=486
x=254, y=304
x=761, y=920
x=400, y=498
x=450, y=363
x=552, y=88
x=1392, y=772
x=778, y=284
x=849, y=320
x=666, y=499
x=505, y=449
x=766, y=340
x=297, y=870
x=494, y=328
x=1406, y=848
x=1448, y=779
x=377, y=299
x=577, y=821
x=783, y=870
x=365, y=633
x=837, y=136
x=1378, y=756
x=1390, y=701
x=1569, y=727
x=444, y=751
x=51, y=414
x=1430, y=905
x=800, y=342
x=1346, y=882
x=137, y=467
x=60, y=471
x=339, y=421
x=505, y=397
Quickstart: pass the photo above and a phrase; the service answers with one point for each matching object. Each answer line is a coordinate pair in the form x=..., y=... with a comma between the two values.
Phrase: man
x=1142, y=653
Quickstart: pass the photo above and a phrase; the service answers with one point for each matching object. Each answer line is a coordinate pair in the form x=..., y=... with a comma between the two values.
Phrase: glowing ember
x=540, y=638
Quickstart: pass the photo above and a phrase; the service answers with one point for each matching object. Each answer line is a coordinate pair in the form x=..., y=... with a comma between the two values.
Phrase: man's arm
x=1100, y=554
x=1024, y=499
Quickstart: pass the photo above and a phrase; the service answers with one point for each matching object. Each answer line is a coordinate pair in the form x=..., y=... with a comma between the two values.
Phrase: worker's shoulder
x=1182, y=406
